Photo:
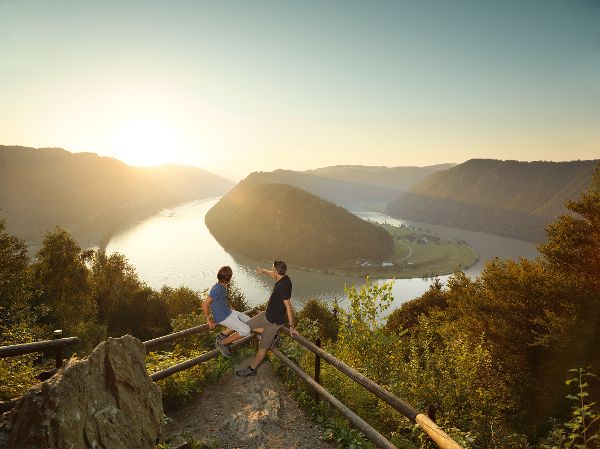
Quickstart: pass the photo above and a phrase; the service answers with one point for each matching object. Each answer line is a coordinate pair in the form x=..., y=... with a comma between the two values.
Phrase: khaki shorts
x=269, y=332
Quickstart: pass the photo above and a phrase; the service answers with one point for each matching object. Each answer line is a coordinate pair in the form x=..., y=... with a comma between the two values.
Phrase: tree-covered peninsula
x=265, y=220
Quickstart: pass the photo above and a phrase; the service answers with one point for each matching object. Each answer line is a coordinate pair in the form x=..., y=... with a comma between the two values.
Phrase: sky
x=241, y=86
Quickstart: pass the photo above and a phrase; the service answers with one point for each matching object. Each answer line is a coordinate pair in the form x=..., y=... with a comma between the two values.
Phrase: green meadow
x=416, y=254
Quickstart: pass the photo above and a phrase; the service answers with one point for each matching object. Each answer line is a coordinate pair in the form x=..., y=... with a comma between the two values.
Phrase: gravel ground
x=252, y=412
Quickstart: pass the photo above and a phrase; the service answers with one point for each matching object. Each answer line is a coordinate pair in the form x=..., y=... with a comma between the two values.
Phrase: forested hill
x=88, y=195
x=510, y=198
x=267, y=221
x=342, y=184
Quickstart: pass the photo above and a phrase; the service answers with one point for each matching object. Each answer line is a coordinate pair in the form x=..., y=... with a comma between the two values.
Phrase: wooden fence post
x=317, y=369
x=58, y=333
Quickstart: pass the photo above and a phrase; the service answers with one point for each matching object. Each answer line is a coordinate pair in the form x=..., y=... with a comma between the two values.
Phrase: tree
x=574, y=240
x=15, y=288
x=113, y=282
x=180, y=301
x=125, y=304
x=17, y=320
x=61, y=287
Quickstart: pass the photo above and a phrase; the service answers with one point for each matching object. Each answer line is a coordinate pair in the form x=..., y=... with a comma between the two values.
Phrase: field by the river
x=417, y=253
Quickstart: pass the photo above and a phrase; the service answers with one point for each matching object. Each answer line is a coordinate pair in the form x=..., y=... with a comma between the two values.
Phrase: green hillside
x=510, y=198
x=268, y=221
x=88, y=195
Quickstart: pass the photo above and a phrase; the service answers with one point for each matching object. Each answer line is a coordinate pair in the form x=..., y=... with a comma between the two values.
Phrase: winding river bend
x=175, y=248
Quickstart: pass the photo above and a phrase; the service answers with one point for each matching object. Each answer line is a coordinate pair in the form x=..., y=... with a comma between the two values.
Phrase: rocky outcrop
x=103, y=401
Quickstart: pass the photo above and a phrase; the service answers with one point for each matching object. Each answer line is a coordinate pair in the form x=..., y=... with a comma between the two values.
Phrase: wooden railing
x=171, y=338
x=55, y=345
x=175, y=336
x=197, y=360
x=424, y=422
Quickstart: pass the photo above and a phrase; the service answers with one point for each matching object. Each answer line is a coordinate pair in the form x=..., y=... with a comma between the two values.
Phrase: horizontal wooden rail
x=438, y=436
x=372, y=434
x=429, y=427
x=197, y=360
x=170, y=338
x=38, y=346
x=383, y=394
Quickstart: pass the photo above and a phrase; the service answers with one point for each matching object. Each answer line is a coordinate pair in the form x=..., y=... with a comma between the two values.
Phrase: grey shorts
x=237, y=321
x=269, y=332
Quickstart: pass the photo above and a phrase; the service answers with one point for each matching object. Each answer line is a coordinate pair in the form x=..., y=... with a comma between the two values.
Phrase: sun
x=147, y=142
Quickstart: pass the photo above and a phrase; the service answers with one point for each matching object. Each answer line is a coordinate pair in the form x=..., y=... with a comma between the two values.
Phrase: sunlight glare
x=147, y=142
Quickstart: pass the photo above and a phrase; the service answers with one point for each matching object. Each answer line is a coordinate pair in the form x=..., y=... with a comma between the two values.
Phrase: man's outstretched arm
x=270, y=273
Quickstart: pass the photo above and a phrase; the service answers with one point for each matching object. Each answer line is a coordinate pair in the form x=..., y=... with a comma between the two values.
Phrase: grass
x=416, y=254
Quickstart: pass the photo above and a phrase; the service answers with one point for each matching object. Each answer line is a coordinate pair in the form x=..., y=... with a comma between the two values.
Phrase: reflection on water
x=175, y=248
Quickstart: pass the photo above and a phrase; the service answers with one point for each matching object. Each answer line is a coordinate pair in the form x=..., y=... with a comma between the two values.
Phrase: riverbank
x=175, y=248
x=417, y=255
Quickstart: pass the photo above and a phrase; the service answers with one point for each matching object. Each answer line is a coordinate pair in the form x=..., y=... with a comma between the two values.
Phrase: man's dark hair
x=280, y=266
x=224, y=274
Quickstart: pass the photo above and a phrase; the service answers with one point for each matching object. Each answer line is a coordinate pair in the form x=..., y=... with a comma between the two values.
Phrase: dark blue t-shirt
x=219, y=306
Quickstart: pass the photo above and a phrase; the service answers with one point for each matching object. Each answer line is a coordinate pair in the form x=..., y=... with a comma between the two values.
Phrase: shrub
x=327, y=321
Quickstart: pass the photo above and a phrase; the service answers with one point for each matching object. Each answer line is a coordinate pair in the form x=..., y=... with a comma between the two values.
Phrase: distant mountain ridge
x=509, y=198
x=89, y=195
x=267, y=221
x=343, y=184
x=389, y=178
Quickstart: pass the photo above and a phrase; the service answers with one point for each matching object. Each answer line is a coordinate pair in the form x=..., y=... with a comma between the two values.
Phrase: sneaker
x=246, y=372
x=223, y=348
x=220, y=336
x=276, y=341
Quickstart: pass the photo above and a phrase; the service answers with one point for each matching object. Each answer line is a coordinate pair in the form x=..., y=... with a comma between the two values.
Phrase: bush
x=327, y=321
x=236, y=298
x=582, y=431
x=182, y=387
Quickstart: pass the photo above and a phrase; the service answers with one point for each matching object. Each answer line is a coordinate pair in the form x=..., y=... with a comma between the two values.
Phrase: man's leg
x=269, y=332
x=260, y=356
x=237, y=322
x=236, y=337
x=231, y=339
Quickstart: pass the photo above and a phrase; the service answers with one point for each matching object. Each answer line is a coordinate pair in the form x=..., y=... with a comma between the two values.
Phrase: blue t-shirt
x=219, y=306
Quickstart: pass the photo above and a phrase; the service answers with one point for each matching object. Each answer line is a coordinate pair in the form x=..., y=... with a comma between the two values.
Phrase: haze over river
x=175, y=248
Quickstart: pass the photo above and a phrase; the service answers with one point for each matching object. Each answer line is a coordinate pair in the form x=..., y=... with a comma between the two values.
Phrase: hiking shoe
x=246, y=372
x=220, y=336
x=223, y=348
x=276, y=341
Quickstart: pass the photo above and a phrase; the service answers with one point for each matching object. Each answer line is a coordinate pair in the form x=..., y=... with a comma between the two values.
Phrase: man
x=268, y=323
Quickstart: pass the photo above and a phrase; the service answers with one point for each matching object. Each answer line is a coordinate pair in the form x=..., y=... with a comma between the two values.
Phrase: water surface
x=175, y=248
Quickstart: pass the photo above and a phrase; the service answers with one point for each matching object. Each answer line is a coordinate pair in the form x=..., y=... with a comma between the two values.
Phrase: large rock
x=106, y=401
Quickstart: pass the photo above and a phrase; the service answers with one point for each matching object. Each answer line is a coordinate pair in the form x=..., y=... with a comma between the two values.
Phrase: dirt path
x=252, y=412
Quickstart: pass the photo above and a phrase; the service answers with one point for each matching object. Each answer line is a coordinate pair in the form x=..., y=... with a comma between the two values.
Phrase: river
x=175, y=248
